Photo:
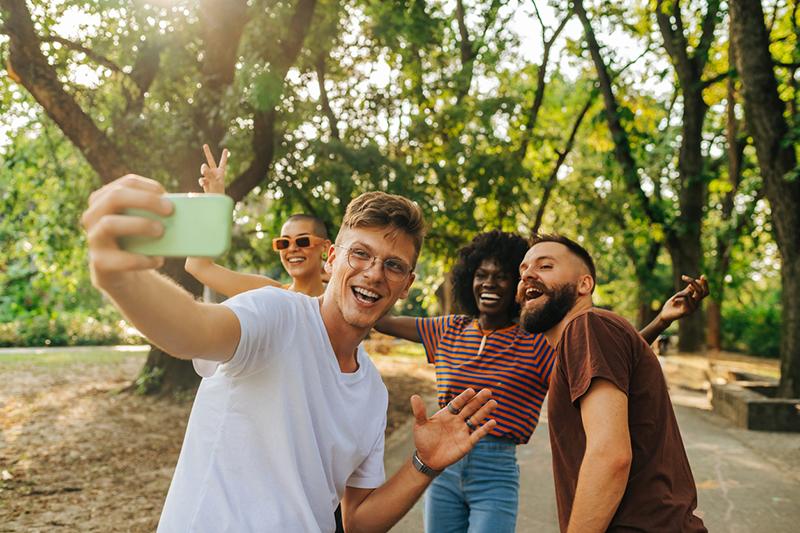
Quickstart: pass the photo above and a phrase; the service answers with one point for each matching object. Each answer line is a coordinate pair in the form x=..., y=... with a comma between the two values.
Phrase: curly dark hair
x=508, y=249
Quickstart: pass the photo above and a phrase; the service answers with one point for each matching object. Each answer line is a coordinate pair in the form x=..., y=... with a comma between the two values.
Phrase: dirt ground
x=78, y=455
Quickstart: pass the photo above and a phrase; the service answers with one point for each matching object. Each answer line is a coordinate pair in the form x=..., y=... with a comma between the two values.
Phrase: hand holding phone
x=199, y=226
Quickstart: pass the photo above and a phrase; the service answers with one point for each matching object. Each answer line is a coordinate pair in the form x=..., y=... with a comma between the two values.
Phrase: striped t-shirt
x=515, y=364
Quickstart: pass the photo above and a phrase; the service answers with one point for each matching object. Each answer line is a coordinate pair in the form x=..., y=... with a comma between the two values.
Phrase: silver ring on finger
x=452, y=408
x=470, y=425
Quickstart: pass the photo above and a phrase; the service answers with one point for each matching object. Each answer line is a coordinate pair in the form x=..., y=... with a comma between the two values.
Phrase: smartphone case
x=200, y=226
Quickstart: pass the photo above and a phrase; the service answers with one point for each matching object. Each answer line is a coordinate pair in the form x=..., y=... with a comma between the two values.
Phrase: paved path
x=747, y=481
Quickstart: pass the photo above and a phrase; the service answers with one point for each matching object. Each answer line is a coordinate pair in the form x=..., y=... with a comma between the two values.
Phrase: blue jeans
x=478, y=494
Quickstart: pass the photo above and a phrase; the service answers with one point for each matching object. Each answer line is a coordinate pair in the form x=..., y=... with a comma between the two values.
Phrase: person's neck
x=343, y=337
x=493, y=322
x=553, y=335
x=311, y=285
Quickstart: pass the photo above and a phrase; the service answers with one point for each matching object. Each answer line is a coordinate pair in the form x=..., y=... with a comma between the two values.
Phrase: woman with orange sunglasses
x=302, y=245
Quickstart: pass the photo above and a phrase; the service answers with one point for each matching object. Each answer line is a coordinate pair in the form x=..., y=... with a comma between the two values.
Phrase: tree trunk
x=684, y=238
x=764, y=112
x=645, y=312
x=686, y=248
x=162, y=373
x=444, y=295
x=713, y=325
x=686, y=256
x=790, y=328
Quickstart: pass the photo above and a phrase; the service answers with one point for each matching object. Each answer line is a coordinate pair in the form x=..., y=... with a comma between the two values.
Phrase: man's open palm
x=446, y=437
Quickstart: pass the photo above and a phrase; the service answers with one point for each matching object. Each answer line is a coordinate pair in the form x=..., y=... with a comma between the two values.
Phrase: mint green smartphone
x=200, y=226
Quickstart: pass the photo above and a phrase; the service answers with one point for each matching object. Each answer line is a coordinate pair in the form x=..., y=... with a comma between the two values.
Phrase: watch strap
x=422, y=467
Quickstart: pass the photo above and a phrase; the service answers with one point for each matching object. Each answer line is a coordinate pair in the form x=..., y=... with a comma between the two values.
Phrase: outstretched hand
x=446, y=437
x=685, y=302
x=213, y=176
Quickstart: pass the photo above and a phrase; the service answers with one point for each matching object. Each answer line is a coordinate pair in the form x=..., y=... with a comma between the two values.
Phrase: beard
x=560, y=301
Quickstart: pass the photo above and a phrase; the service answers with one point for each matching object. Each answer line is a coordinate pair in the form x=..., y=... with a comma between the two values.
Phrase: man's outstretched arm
x=681, y=304
x=164, y=312
x=441, y=440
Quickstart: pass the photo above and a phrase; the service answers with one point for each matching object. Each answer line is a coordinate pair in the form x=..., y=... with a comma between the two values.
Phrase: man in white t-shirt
x=292, y=420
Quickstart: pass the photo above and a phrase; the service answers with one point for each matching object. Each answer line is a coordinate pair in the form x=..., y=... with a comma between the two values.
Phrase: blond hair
x=382, y=210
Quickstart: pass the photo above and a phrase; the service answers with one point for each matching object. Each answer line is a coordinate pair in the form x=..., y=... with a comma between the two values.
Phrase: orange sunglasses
x=305, y=241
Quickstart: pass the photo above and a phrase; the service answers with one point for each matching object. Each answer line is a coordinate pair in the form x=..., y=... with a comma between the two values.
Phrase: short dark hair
x=508, y=249
x=576, y=249
x=320, y=229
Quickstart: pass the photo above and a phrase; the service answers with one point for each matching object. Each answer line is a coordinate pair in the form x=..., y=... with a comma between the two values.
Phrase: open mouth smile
x=532, y=293
x=489, y=297
x=295, y=260
x=365, y=296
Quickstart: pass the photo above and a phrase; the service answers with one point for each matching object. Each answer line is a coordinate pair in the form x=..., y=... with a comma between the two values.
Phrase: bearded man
x=618, y=459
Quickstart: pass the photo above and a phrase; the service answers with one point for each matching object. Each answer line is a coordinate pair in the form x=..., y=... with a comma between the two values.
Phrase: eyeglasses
x=360, y=259
x=282, y=243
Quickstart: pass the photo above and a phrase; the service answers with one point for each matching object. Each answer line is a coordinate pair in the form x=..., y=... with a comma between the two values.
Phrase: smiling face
x=493, y=289
x=301, y=262
x=552, y=281
x=363, y=296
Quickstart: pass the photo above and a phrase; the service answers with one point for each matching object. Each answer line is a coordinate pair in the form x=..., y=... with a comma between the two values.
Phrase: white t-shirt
x=278, y=431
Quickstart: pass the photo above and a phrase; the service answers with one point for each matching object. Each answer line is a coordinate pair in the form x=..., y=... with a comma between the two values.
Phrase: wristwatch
x=422, y=467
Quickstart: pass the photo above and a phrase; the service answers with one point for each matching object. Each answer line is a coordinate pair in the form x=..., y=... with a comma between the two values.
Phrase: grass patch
x=60, y=358
x=385, y=346
x=408, y=349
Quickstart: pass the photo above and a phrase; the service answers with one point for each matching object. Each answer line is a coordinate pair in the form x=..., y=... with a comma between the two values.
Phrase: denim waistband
x=490, y=442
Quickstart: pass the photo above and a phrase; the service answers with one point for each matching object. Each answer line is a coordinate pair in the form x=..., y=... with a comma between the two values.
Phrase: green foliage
x=753, y=329
x=44, y=186
x=101, y=326
x=267, y=91
x=408, y=113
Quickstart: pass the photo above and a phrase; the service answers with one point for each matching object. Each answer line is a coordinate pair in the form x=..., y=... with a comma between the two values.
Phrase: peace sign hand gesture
x=213, y=176
x=450, y=434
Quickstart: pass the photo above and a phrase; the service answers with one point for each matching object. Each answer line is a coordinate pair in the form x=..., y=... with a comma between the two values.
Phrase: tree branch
x=39, y=78
x=541, y=74
x=265, y=138
x=709, y=24
x=91, y=54
x=323, y=97
x=719, y=77
x=296, y=32
x=622, y=149
x=468, y=53
x=562, y=156
x=222, y=24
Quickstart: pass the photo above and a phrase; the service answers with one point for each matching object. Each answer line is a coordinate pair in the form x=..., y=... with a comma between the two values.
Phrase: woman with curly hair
x=486, y=348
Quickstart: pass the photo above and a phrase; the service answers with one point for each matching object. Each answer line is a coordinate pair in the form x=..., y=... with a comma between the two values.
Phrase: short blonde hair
x=382, y=210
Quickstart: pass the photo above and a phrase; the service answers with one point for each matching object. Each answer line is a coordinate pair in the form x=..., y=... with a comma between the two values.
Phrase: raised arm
x=223, y=280
x=218, y=278
x=165, y=313
x=440, y=440
x=404, y=327
x=681, y=304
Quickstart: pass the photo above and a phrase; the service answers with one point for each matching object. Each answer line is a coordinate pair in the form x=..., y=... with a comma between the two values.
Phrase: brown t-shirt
x=660, y=495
